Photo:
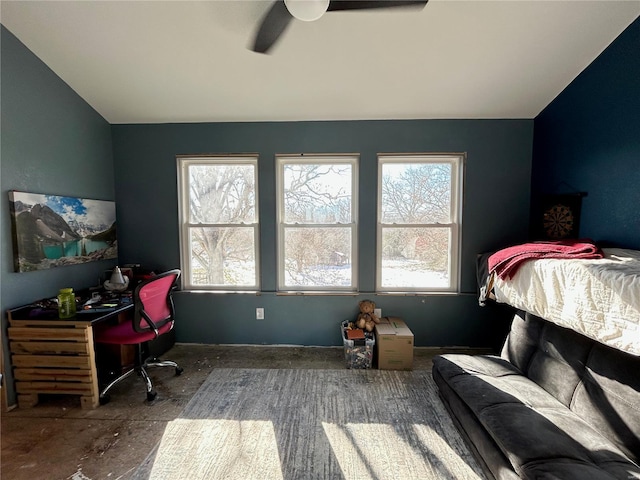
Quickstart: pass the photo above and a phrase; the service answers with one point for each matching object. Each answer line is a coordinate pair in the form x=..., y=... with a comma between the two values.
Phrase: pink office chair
x=153, y=316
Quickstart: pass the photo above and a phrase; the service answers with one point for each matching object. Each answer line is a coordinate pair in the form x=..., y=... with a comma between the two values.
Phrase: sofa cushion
x=563, y=469
x=490, y=457
x=599, y=383
x=551, y=356
x=487, y=381
x=522, y=341
x=609, y=397
x=528, y=424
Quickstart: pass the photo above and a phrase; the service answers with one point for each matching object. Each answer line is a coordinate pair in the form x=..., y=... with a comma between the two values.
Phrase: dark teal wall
x=589, y=138
x=496, y=212
x=52, y=142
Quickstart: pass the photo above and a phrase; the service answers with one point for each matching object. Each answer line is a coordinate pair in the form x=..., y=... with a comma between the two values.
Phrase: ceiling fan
x=282, y=12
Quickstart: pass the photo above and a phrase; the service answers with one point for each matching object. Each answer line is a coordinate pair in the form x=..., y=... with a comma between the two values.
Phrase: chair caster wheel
x=151, y=396
x=104, y=399
x=179, y=371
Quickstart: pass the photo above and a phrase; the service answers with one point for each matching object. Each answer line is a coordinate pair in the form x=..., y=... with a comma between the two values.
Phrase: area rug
x=292, y=424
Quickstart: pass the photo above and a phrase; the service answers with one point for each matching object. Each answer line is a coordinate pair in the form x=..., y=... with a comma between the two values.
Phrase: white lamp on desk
x=118, y=282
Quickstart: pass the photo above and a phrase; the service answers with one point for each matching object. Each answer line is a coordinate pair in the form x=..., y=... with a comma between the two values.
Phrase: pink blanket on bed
x=506, y=262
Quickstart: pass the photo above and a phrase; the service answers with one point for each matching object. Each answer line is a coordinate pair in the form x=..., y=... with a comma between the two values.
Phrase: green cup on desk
x=66, y=303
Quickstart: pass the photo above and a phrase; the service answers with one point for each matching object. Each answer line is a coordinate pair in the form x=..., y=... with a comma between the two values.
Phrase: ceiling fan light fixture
x=307, y=10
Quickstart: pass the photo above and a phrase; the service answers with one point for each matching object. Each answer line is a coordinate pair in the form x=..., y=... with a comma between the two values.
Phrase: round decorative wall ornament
x=558, y=221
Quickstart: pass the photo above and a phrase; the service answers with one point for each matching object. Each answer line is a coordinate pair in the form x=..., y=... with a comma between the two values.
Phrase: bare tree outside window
x=419, y=222
x=317, y=227
x=219, y=197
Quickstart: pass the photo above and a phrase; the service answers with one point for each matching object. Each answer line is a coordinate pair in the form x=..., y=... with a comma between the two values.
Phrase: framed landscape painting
x=52, y=231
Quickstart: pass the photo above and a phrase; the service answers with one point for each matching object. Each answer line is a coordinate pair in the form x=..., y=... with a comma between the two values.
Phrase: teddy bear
x=367, y=319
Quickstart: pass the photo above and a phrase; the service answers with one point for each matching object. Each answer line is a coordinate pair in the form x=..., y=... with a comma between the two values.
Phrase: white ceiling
x=188, y=61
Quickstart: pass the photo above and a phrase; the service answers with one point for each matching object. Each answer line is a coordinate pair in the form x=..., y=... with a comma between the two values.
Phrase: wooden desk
x=52, y=355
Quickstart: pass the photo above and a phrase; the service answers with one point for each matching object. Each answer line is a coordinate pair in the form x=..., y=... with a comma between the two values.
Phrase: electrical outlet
x=377, y=312
x=259, y=313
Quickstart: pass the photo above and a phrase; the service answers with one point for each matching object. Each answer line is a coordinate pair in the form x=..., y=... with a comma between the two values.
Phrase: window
x=419, y=215
x=219, y=222
x=317, y=222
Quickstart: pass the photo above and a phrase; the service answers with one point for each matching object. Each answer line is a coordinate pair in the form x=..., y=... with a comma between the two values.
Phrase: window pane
x=317, y=193
x=415, y=193
x=317, y=257
x=415, y=257
x=223, y=256
x=222, y=193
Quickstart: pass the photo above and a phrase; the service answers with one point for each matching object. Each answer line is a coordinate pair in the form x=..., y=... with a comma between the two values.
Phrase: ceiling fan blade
x=273, y=24
x=336, y=5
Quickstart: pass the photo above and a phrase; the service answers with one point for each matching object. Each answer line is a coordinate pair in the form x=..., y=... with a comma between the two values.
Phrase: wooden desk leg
x=27, y=400
x=93, y=399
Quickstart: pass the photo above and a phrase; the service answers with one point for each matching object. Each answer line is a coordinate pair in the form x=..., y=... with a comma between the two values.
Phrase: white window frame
x=456, y=160
x=346, y=159
x=183, y=164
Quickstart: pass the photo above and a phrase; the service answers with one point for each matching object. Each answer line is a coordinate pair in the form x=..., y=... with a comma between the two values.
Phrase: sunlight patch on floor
x=447, y=455
x=363, y=452
x=79, y=476
x=229, y=449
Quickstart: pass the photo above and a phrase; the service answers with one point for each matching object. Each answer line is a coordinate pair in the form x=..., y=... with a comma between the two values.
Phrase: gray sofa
x=553, y=405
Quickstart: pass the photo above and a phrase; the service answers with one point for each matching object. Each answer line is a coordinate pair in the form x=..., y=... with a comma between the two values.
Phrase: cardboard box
x=394, y=344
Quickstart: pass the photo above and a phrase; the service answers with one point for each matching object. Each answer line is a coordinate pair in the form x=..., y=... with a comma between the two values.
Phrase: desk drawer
x=52, y=348
x=69, y=388
x=65, y=333
x=53, y=361
x=51, y=375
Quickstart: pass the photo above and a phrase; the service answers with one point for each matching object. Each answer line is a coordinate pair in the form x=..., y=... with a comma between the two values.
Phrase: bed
x=599, y=298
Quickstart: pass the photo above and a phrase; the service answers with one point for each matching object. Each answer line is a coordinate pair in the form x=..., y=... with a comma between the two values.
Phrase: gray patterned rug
x=290, y=424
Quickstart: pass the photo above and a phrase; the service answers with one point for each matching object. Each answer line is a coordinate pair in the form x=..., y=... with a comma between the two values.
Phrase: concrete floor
x=57, y=439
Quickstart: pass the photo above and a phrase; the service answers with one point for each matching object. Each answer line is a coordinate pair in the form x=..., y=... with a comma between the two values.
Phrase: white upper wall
x=188, y=61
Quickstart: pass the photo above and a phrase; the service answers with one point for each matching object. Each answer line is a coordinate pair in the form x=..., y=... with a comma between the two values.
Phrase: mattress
x=599, y=298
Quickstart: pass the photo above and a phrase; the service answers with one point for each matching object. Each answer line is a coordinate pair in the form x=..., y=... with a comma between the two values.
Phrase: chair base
x=141, y=371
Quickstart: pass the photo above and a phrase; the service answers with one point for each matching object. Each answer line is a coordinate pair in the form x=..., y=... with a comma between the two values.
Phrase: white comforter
x=598, y=298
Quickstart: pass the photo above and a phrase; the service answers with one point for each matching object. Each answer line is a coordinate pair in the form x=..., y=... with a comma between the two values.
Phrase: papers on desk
x=98, y=304
x=97, y=309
